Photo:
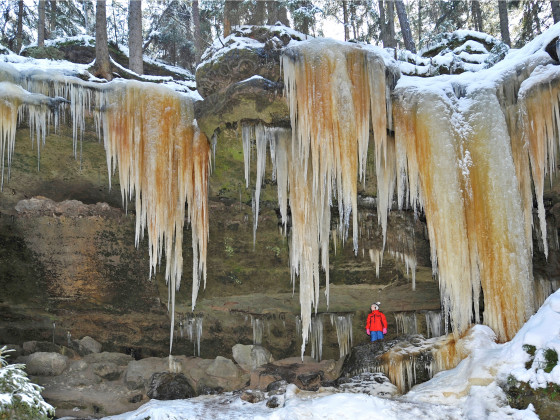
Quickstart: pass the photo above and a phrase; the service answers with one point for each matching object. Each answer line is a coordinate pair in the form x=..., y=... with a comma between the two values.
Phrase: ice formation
x=163, y=162
x=317, y=337
x=17, y=103
x=406, y=323
x=258, y=329
x=333, y=90
x=191, y=326
x=343, y=325
x=150, y=135
x=434, y=324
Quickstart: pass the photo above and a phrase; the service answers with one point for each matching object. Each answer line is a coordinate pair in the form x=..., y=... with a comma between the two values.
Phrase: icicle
x=539, y=99
x=150, y=133
x=433, y=324
x=317, y=337
x=406, y=323
x=485, y=246
x=333, y=90
x=15, y=102
x=258, y=329
x=343, y=325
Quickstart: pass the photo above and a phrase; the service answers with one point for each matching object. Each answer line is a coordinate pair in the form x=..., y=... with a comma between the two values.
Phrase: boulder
x=255, y=98
x=119, y=359
x=46, y=364
x=223, y=373
x=40, y=346
x=108, y=371
x=252, y=396
x=169, y=386
x=139, y=372
x=307, y=374
x=250, y=357
x=247, y=51
x=88, y=345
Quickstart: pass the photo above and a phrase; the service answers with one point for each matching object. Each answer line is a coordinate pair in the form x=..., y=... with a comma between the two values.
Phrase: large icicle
x=539, y=99
x=163, y=160
x=459, y=153
x=333, y=91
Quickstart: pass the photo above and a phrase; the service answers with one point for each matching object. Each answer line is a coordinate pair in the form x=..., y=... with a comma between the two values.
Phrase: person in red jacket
x=376, y=324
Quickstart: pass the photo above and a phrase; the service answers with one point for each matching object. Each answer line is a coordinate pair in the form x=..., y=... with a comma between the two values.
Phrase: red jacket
x=376, y=321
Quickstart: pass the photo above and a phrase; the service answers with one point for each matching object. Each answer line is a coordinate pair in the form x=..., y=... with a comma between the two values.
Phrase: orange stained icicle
x=540, y=108
x=163, y=161
x=459, y=151
x=332, y=89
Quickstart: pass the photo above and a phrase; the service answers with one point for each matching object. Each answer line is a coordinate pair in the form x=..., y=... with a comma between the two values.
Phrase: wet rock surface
x=169, y=386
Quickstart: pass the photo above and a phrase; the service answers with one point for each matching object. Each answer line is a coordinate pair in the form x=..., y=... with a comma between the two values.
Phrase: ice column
x=335, y=92
x=458, y=166
x=343, y=325
x=258, y=329
x=317, y=337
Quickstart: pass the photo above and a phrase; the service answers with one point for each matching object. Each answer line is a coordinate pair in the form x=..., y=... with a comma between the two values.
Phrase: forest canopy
x=178, y=31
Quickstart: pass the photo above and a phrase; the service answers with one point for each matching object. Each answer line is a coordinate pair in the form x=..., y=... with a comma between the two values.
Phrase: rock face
x=240, y=78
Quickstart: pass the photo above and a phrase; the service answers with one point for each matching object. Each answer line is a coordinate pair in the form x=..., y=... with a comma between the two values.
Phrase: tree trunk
x=405, y=26
x=136, y=61
x=198, y=41
x=231, y=16
x=504, y=21
x=102, y=67
x=555, y=4
x=52, y=20
x=382, y=23
x=41, y=24
x=282, y=13
x=477, y=15
x=19, y=34
x=257, y=18
x=391, y=41
x=85, y=11
x=419, y=23
x=345, y=17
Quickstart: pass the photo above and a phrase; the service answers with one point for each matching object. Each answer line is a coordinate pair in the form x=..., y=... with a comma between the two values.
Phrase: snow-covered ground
x=469, y=391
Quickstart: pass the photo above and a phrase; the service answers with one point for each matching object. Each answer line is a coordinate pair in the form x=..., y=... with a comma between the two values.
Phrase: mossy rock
x=248, y=51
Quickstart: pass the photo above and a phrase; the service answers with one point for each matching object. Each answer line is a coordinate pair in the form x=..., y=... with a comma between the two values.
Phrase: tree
x=477, y=15
x=52, y=19
x=504, y=22
x=231, y=16
x=41, y=24
x=345, y=18
x=555, y=5
x=259, y=14
x=387, y=22
x=102, y=67
x=19, y=35
x=21, y=399
x=276, y=12
x=405, y=26
x=136, y=61
x=198, y=41
x=303, y=15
